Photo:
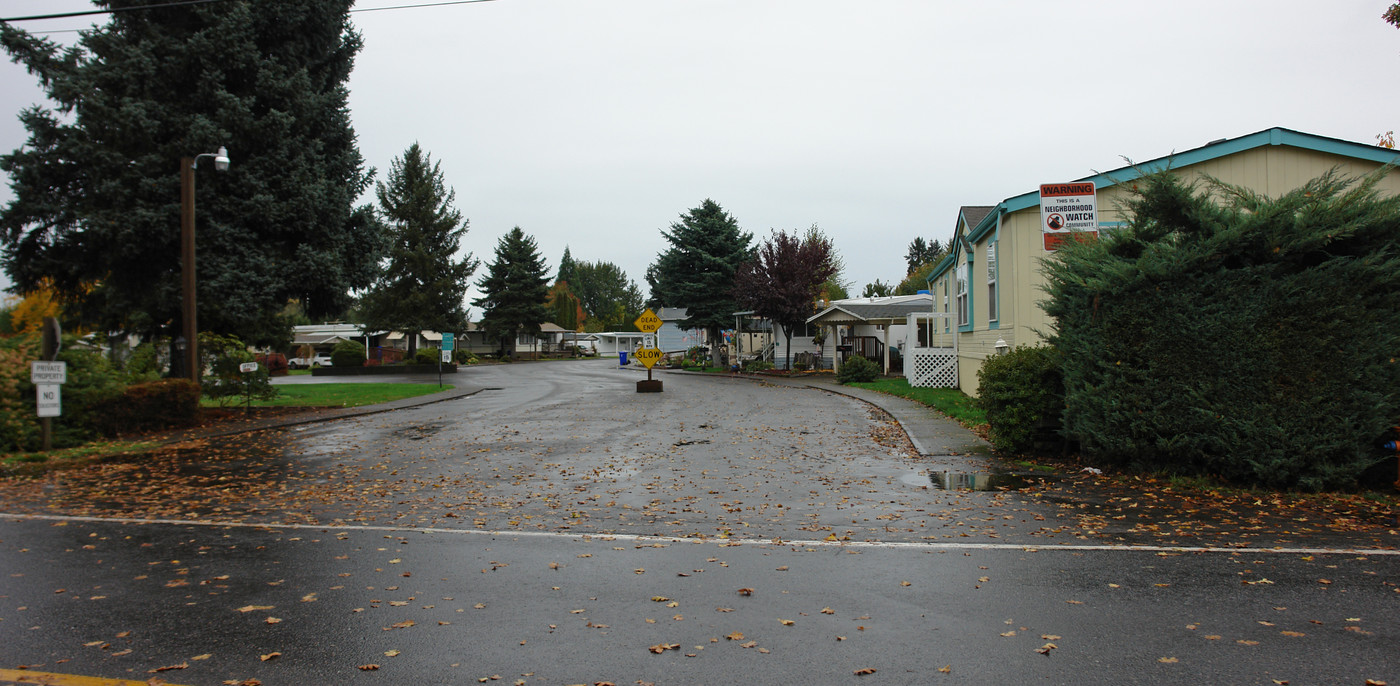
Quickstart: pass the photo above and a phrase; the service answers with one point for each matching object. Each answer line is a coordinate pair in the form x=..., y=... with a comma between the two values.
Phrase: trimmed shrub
x=857, y=369
x=348, y=353
x=464, y=356
x=1023, y=395
x=1224, y=333
x=152, y=405
x=427, y=356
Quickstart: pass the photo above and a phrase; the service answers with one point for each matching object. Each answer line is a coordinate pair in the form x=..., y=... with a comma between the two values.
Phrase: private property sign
x=1067, y=208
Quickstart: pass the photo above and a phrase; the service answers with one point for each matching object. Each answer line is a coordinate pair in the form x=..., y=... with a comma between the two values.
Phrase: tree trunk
x=787, y=333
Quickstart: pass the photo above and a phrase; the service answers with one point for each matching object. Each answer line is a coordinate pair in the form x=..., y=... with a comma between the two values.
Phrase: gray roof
x=975, y=213
x=876, y=310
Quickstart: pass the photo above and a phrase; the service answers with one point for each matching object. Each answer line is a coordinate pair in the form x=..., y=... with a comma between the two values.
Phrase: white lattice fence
x=933, y=368
x=935, y=363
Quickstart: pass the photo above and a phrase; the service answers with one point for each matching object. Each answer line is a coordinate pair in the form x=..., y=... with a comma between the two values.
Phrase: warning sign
x=648, y=356
x=1067, y=208
x=648, y=322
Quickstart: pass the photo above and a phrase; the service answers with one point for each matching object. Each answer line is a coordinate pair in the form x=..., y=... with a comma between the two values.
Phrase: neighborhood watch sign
x=1067, y=208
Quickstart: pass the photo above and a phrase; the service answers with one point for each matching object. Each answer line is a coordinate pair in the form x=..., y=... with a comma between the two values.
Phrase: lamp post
x=187, y=310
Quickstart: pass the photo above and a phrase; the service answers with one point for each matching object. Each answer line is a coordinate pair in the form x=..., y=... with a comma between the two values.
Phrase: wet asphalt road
x=498, y=536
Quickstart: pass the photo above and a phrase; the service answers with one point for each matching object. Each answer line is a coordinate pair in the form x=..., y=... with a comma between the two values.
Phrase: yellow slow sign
x=649, y=356
x=648, y=322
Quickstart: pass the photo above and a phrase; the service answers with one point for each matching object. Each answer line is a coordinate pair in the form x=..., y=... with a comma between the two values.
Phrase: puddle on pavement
x=948, y=480
x=421, y=431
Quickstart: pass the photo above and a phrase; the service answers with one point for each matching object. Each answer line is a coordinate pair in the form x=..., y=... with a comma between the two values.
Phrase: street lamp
x=191, y=331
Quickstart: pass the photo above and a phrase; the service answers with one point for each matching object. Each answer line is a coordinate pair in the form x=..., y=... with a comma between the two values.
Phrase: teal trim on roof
x=1205, y=153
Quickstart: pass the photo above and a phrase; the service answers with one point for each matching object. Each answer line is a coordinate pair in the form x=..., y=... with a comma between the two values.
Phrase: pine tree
x=423, y=283
x=514, y=290
x=697, y=271
x=96, y=206
x=567, y=268
x=607, y=295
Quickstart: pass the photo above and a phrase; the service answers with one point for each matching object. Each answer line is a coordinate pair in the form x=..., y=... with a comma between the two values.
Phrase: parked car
x=319, y=360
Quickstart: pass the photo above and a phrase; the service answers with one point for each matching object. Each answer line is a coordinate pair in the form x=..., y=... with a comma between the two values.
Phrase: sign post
x=1067, y=209
x=446, y=357
x=47, y=377
x=649, y=354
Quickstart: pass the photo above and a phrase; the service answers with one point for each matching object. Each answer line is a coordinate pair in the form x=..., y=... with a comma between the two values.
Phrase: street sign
x=50, y=400
x=447, y=355
x=648, y=340
x=649, y=356
x=648, y=322
x=447, y=341
x=246, y=367
x=48, y=372
x=1066, y=209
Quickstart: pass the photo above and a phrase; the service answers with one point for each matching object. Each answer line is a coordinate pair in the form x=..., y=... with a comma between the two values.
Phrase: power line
x=183, y=3
x=87, y=13
x=425, y=4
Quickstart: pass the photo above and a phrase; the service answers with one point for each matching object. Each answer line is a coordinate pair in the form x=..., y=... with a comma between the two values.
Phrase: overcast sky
x=595, y=123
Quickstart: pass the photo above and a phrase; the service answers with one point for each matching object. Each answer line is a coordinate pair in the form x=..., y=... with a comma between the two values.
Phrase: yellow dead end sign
x=649, y=354
x=648, y=322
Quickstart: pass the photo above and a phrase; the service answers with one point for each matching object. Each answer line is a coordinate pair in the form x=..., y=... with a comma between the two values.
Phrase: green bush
x=1228, y=334
x=151, y=405
x=143, y=364
x=1023, y=394
x=225, y=382
x=428, y=356
x=464, y=356
x=91, y=382
x=348, y=353
x=757, y=365
x=857, y=369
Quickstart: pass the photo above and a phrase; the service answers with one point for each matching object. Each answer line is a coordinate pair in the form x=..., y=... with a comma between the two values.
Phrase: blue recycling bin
x=622, y=358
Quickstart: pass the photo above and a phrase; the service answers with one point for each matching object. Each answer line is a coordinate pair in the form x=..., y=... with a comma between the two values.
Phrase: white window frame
x=992, y=281
x=964, y=317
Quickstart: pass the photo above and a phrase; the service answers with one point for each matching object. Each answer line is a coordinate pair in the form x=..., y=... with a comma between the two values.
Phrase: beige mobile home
x=990, y=285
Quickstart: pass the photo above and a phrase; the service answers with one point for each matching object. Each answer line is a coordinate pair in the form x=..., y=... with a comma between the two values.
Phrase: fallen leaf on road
x=746, y=591
x=663, y=647
x=182, y=665
x=828, y=611
x=736, y=636
x=392, y=653
x=205, y=656
x=369, y=667
x=270, y=656
x=1167, y=660
x=1294, y=634
x=253, y=608
x=1045, y=649
x=946, y=669
x=787, y=622
x=863, y=672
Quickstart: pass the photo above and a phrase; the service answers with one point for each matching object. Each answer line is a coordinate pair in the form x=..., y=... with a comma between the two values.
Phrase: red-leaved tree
x=783, y=280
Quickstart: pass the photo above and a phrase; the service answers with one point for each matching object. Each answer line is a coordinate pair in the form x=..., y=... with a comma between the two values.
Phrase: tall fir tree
x=423, y=283
x=697, y=270
x=567, y=268
x=96, y=206
x=514, y=290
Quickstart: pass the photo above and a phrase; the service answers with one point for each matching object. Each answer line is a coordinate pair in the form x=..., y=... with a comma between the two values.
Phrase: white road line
x=799, y=543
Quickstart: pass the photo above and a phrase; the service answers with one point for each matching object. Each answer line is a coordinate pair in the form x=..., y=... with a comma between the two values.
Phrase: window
x=945, y=304
x=991, y=281
x=963, y=318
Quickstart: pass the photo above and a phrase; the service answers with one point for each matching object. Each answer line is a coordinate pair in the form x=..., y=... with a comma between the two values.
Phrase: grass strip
x=949, y=401
x=339, y=394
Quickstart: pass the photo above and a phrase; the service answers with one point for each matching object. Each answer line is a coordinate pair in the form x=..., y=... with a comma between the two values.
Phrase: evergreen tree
x=567, y=268
x=607, y=295
x=697, y=270
x=877, y=289
x=514, y=290
x=422, y=284
x=96, y=206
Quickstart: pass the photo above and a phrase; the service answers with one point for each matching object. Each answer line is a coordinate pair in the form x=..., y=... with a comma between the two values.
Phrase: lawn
x=949, y=401
x=339, y=394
